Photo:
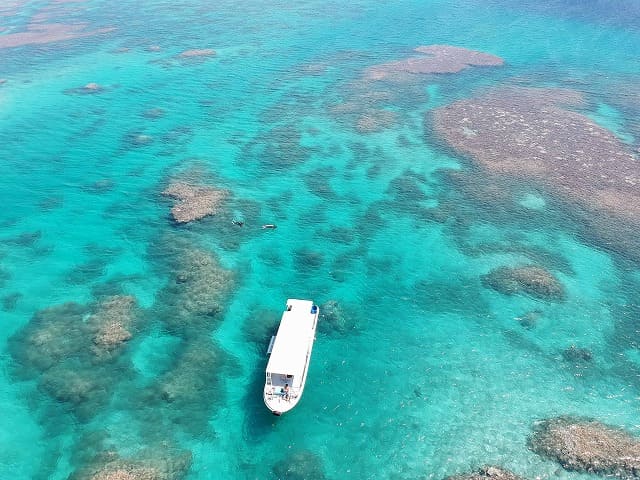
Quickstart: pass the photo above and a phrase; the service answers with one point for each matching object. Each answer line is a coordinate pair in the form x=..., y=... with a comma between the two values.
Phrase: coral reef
x=194, y=201
x=530, y=135
x=368, y=107
x=73, y=351
x=90, y=88
x=147, y=465
x=136, y=139
x=530, y=319
x=204, y=52
x=52, y=335
x=586, y=445
x=190, y=390
x=301, y=465
x=41, y=33
x=26, y=239
x=153, y=113
x=577, y=355
x=437, y=59
x=334, y=319
x=100, y=186
x=10, y=301
x=193, y=375
x=196, y=295
x=260, y=325
x=375, y=120
x=530, y=279
x=111, y=324
x=487, y=472
x=308, y=259
x=88, y=271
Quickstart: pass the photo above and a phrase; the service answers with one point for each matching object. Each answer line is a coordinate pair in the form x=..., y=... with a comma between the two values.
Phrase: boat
x=289, y=355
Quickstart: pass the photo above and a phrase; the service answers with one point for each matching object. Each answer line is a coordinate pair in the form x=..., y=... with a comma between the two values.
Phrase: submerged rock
x=487, y=472
x=194, y=201
x=531, y=280
x=586, y=445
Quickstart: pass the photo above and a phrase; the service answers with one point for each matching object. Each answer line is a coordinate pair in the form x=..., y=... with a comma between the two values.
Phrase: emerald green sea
x=422, y=367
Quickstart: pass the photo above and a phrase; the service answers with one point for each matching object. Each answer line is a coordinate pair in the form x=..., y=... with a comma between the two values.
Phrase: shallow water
x=431, y=373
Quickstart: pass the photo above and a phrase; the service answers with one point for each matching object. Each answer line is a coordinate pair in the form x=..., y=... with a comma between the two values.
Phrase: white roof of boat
x=292, y=340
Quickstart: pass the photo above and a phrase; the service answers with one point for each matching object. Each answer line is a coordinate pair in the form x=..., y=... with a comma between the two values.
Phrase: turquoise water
x=432, y=373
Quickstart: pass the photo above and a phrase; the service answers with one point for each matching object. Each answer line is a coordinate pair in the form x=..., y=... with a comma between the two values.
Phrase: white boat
x=290, y=353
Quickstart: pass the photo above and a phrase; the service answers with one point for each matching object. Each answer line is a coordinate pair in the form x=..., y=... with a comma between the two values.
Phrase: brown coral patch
x=530, y=279
x=194, y=201
x=437, y=59
x=585, y=445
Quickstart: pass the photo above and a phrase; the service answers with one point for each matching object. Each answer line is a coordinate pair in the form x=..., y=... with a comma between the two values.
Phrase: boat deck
x=290, y=351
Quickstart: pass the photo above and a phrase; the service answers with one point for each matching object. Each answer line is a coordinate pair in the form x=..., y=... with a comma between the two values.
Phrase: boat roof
x=296, y=332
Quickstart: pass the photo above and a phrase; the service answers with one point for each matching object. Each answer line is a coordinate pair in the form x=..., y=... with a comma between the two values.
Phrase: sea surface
x=420, y=368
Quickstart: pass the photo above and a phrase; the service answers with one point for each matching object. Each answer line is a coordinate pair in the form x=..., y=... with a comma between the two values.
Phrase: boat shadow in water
x=258, y=420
